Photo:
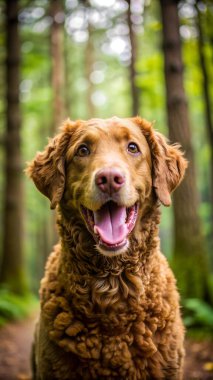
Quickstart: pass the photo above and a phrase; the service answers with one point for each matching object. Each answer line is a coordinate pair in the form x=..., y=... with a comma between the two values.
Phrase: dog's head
x=108, y=171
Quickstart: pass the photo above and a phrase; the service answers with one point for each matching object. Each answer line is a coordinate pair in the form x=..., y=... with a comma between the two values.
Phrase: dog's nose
x=109, y=180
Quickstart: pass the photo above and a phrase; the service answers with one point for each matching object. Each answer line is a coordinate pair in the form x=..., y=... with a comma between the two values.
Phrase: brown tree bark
x=190, y=258
x=58, y=88
x=89, y=60
x=57, y=55
x=132, y=70
x=67, y=79
x=207, y=104
x=12, y=266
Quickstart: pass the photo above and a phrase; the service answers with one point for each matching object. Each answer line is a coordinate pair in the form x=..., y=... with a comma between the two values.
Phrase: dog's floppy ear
x=47, y=169
x=169, y=165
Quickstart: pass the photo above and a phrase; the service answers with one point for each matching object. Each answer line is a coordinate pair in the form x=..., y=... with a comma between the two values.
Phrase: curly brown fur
x=106, y=315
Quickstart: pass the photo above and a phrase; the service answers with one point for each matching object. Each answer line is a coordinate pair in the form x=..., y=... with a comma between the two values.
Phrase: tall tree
x=190, y=259
x=12, y=262
x=207, y=100
x=56, y=12
x=132, y=69
x=57, y=54
x=67, y=79
x=89, y=61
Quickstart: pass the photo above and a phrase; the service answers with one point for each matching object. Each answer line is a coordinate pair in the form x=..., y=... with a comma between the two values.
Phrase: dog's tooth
x=95, y=230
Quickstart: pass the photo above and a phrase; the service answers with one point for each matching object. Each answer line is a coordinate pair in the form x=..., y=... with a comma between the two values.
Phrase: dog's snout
x=109, y=180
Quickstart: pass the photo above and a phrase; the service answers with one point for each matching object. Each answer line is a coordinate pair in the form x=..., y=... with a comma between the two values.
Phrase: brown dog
x=109, y=304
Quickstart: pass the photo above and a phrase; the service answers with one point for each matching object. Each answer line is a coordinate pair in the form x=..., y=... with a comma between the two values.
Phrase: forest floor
x=15, y=347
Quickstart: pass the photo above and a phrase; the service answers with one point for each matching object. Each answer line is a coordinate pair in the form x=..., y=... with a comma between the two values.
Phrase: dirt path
x=15, y=346
x=199, y=360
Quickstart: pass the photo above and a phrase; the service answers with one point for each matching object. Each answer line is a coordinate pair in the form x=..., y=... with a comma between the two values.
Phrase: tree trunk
x=207, y=105
x=57, y=44
x=132, y=70
x=190, y=258
x=12, y=268
x=58, y=82
x=89, y=60
x=67, y=79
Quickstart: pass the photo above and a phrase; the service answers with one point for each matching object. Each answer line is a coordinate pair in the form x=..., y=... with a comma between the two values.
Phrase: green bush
x=198, y=314
x=13, y=307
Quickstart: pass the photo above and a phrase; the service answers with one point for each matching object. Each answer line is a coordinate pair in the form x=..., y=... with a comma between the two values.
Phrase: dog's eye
x=133, y=148
x=82, y=151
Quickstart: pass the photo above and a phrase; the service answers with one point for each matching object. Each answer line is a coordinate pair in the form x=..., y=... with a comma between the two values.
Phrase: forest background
x=98, y=58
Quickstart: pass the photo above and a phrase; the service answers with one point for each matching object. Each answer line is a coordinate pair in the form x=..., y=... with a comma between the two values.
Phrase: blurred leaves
x=197, y=313
x=208, y=366
x=14, y=307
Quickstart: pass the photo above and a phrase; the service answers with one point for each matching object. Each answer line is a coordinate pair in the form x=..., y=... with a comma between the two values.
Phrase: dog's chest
x=105, y=354
x=108, y=345
x=115, y=343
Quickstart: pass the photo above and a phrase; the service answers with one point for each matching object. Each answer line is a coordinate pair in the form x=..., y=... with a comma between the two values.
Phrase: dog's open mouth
x=111, y=224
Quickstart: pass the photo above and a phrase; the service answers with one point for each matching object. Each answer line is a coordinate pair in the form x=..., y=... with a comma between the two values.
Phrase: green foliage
x=197, y=314
x=166, y=231
x=210, y=286
x=13, y=307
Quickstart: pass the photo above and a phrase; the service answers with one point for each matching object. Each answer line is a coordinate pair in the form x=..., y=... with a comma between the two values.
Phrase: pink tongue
x=110, y=223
